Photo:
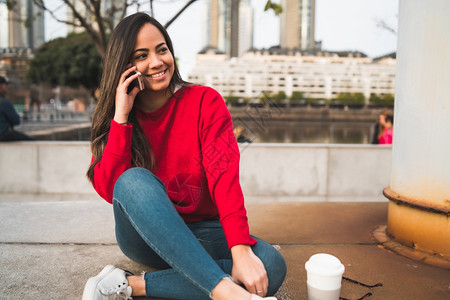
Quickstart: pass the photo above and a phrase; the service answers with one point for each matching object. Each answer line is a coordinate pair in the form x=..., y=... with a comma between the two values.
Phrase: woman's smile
x=157, y=75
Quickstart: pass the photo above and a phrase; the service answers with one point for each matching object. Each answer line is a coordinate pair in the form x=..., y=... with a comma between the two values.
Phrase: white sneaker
x=111, y=283
x=256, y=297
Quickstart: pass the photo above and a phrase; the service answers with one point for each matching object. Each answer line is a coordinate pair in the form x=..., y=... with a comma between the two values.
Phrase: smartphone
x=138, y=82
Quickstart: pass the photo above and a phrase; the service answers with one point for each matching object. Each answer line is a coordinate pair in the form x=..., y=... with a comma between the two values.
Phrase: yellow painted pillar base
x=418, y=226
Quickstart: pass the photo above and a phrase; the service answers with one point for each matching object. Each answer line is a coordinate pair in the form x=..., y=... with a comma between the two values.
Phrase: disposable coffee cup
x=324, y=277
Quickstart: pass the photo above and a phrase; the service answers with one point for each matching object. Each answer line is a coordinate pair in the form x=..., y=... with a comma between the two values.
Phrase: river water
x=310, y=132
x=267, y=132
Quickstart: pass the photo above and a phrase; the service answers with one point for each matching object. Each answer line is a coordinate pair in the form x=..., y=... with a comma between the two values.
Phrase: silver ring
x=258, y=292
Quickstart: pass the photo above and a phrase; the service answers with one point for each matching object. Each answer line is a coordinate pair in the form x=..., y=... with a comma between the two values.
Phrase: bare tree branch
x=40, y=4
x=124, y=8
x=179, y=13
x=87, y=6
x=77, y=15
x=95, y=27
x=99, y=20
x=382, y=24
x=104, y=20
x=151, y=8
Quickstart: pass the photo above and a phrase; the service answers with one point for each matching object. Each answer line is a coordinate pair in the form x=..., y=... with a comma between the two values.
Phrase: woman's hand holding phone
x=125, y=100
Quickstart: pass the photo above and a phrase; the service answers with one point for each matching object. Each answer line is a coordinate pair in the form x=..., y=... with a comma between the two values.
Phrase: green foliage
x=374, y=99
x=296, y=96
x=358, y=99
x=279, y=97
x=72, y=61
x=231, y=99
x=266, y=95
x=354, y=99
x=277, y=8
x=10, y=4
x=386, y=100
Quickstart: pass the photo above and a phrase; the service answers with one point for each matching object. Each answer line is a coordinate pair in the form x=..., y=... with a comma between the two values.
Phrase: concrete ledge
x=44, y=168
x=315, y=172
x=55, y=171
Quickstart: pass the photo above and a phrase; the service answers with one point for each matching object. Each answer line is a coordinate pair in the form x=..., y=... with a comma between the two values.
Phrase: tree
x=358, y=99
x=58, y=66
x=71, y=61
x=351, y=98
x=232, y=100
x=91, y=16
x=386, y=100
x=266, y=96
x=348, y=99
x=296, y=96
x=279, y=97
x=98, y=22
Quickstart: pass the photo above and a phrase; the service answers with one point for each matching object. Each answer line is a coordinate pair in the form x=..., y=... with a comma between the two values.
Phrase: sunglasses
x=362, y=284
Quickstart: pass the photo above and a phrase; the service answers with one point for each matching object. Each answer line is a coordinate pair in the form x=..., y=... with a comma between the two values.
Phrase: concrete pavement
x=49, y=249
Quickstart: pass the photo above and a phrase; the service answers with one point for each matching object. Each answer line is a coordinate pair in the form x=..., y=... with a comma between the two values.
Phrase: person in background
x=376, y=132
x=9, y=117
x=164, y=155
x=239, y=134
x=386, y=120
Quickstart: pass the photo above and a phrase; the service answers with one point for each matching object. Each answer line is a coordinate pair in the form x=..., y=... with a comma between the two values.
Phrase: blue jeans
x=192, y=258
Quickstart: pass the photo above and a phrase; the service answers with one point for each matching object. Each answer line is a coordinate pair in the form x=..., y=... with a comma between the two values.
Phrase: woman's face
x=153, y=58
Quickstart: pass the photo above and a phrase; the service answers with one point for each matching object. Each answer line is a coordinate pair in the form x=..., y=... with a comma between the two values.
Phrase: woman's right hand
x=124, y=101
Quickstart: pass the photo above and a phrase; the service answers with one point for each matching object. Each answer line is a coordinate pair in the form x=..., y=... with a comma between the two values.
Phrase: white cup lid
x=325, y=265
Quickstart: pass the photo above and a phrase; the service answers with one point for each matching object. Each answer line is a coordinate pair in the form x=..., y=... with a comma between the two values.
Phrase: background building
x=21, y=33
x=322, y=75
x=230, y=26
x=216, y=30
x=297, y=24
x=245, y=27
x=22, y=26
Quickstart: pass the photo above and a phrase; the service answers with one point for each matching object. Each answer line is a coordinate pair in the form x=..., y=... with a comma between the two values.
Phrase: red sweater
x=386, y=137
x=196, y=156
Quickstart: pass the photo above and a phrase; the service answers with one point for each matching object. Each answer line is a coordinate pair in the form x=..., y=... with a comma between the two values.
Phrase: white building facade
x=322, y=76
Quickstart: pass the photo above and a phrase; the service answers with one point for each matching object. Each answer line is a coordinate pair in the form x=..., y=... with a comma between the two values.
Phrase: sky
x=340, y=25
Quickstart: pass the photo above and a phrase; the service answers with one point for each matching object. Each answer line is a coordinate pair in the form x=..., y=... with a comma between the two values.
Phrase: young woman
x=166, y=158
x=386, y=120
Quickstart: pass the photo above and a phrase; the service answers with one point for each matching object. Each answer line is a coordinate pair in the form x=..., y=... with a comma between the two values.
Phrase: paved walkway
x=49, y=249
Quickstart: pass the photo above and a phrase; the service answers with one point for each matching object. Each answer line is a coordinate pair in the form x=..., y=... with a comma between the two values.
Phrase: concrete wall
x=41, y=171
x=44, y=171
x=315, y=172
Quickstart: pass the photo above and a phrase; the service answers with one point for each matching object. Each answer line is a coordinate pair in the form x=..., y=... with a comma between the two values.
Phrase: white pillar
x=248, y=86
x=421, y=150
x=420, y=177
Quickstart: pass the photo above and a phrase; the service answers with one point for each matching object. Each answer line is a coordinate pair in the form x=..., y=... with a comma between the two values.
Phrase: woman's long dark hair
x=117, y=57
